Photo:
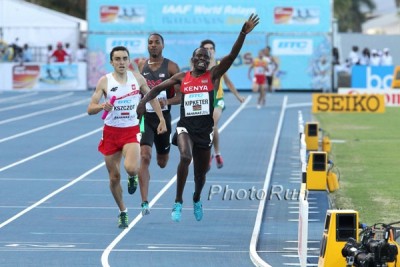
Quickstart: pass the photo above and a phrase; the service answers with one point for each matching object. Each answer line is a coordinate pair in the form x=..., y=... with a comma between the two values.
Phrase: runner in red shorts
x=259, y=81
x=121, y=134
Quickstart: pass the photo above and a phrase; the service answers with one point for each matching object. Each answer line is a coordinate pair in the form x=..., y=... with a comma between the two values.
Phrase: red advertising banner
x=25, y=76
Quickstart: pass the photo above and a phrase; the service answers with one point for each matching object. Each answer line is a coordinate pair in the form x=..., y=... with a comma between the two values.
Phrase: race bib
x=197, y=104
x=162, y=98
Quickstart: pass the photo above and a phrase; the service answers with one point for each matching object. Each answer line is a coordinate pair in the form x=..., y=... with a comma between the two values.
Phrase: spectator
x=81, y=53
x=69, y=51
x=365, y=57
x=375, y=59
x=6, y=52
x=354, y=56
x=17, y=50
x=386, y=59
x=60, y=54
x=335, y=56
x=27, y=54
x=49, y=53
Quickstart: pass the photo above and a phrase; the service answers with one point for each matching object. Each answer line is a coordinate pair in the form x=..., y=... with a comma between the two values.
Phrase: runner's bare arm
x=228, y=60
x=176, y=79
x=144, y=88
x=100, y=91
x=173, y=69
x=232, y=88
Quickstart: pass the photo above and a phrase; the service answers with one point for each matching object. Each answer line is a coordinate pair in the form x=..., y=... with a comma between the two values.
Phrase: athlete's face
x=201, y=59
x=120, y=61
x=210, y=49
x=155, y=46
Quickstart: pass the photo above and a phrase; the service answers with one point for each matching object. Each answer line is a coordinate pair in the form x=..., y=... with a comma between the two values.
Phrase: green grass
x=368, y=162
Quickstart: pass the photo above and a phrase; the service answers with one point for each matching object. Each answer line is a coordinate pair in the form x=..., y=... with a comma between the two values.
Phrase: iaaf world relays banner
x=184, y=24
x=208, y=15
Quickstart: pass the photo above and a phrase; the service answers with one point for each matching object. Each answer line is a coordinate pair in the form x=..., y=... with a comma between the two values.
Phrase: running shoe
x=123, y=220
x=176, y=212
x=220, y=161
x=132, y=184
x=145, y=208
x=198, y=210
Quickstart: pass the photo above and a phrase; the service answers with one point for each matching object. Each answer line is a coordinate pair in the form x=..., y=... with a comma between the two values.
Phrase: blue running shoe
x=176, y=212
x=198, y=210
x=145, y=208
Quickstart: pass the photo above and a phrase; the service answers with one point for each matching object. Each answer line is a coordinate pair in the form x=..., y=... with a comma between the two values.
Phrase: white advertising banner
x=392, y=96
x=40, y=76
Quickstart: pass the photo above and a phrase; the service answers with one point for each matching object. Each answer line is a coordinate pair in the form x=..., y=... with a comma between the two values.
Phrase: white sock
x=125, y=210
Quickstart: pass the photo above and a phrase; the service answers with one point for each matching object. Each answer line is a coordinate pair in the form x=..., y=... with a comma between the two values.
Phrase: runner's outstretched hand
x=250, y=24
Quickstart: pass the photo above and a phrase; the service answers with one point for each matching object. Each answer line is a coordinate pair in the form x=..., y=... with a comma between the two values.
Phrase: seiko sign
x=374, y=103
x=292, y=47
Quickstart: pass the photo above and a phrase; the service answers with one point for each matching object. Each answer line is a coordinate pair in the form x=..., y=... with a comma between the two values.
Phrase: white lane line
x=51, y=195
x=69, y=105
x=299, y=105
x=107, y=251
x=17, y=97
x=50, y=149
x=45, y=100
x=255, y=258
x=43, y=127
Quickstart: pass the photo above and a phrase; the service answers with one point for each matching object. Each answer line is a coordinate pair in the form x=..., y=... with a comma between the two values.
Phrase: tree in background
x=76, y=8
x=351, y=14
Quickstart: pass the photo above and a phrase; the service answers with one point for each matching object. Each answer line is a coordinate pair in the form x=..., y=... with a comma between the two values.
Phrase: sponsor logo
x=176, y=9
x=348, y=103
x=376, y=77
x=392, y=97
x=138, y=45
x=108, y=13
x=114, y=89
x=25, y=76
x=146, y=73
x=292, y=46
x=282, y=15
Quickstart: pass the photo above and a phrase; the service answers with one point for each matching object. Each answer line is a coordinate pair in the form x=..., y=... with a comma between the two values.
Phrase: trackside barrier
x=302, y=245
x=303, y=226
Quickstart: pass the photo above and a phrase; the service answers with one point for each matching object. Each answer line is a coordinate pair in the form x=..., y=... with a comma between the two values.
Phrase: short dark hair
x=118, y=48
x=157, y=34
x=194, y=51
x=207, y=41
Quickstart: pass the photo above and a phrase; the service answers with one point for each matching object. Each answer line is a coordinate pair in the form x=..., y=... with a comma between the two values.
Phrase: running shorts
x=150, y=136
x=201, y=140
x=114, y=138
x=260, y=79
